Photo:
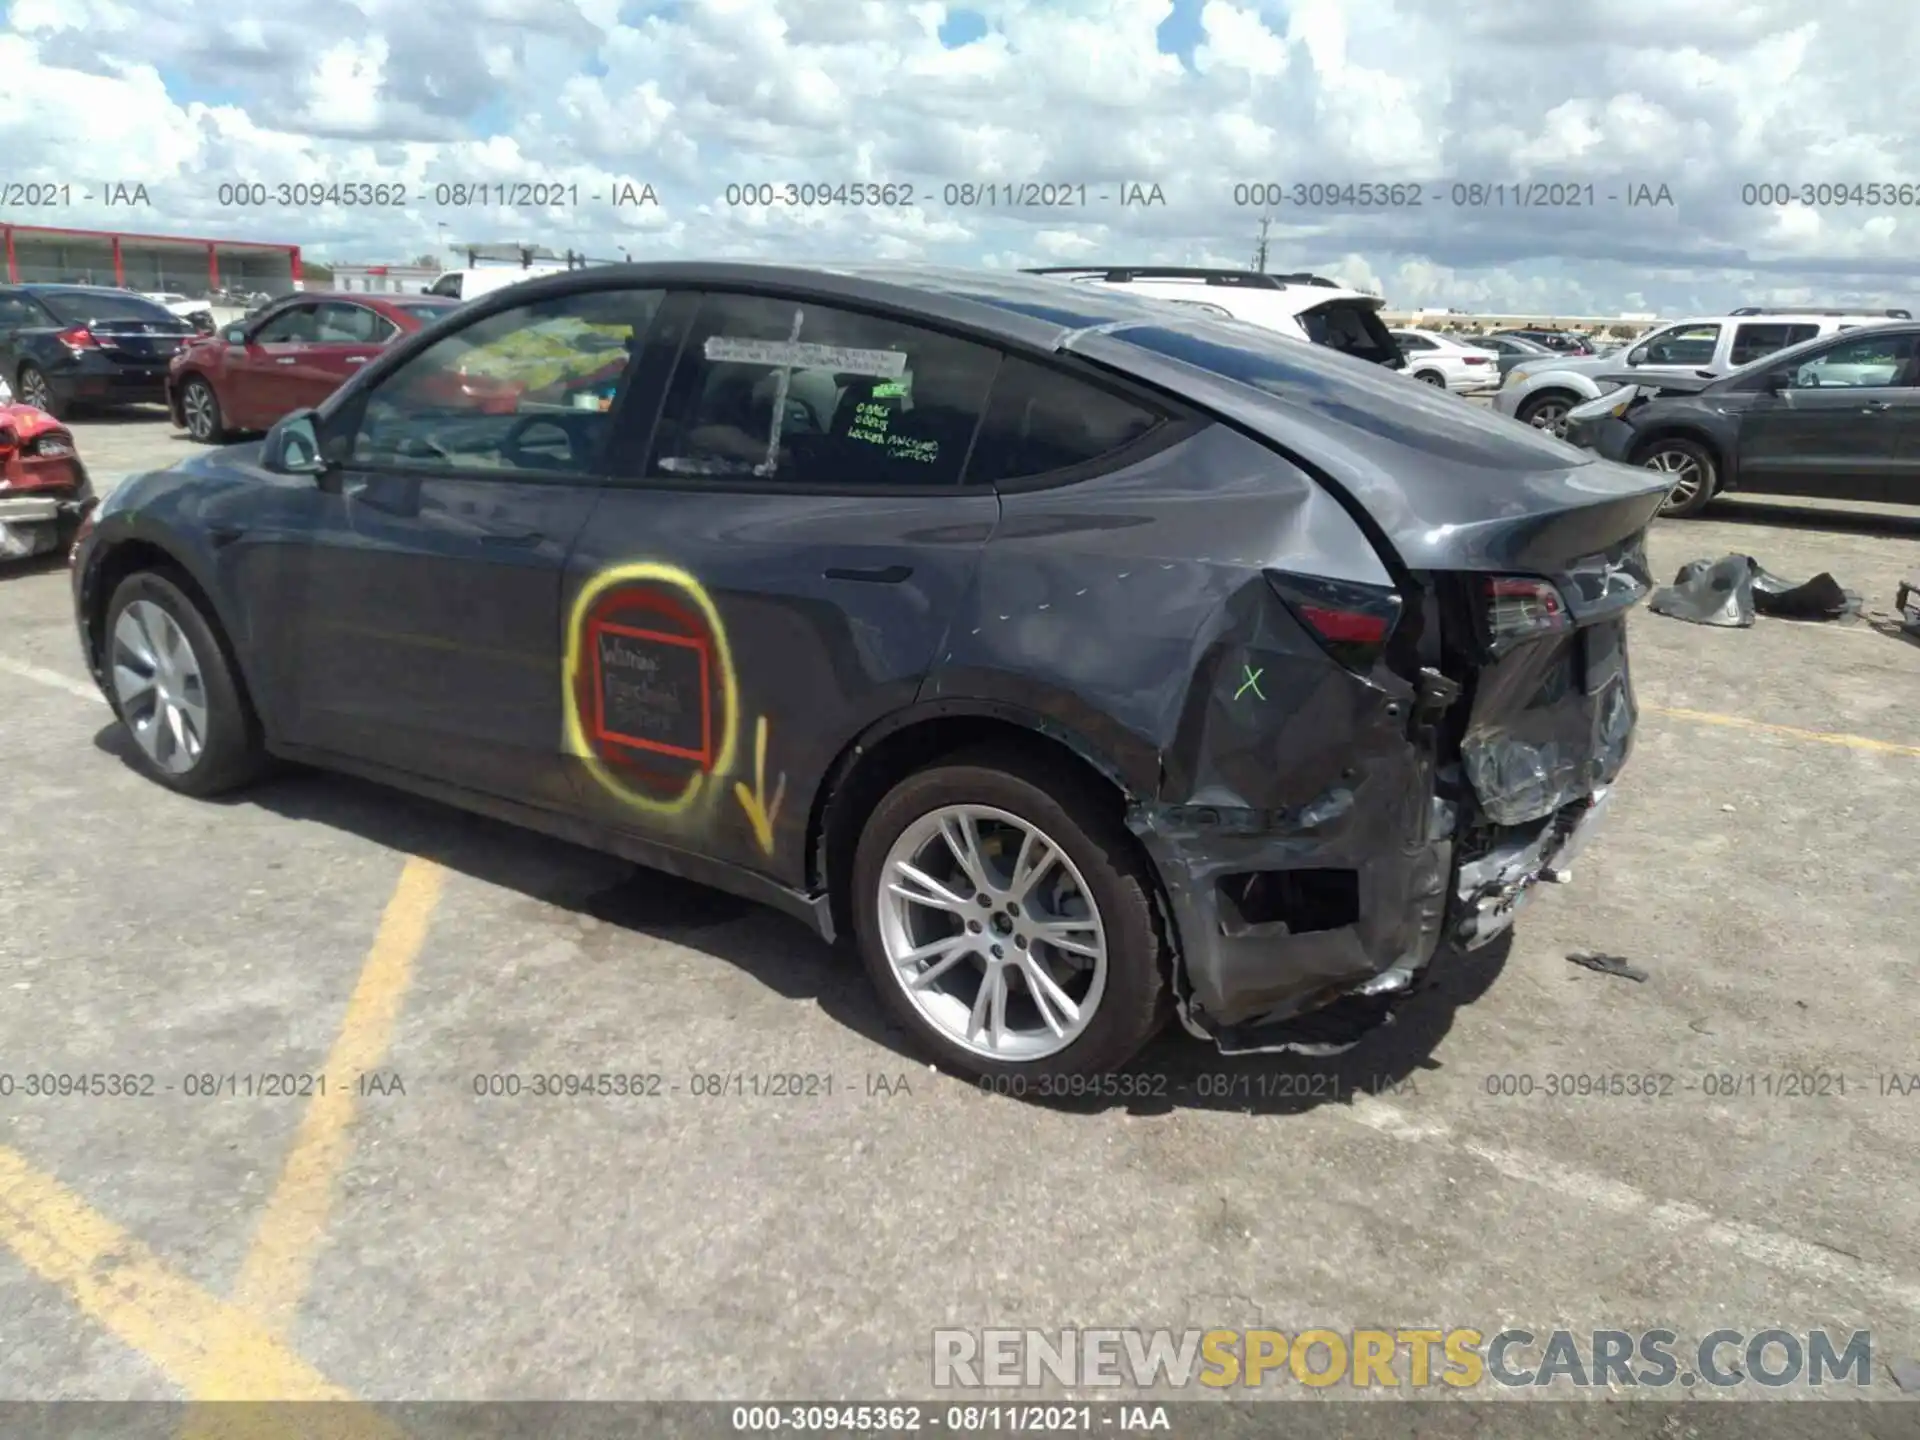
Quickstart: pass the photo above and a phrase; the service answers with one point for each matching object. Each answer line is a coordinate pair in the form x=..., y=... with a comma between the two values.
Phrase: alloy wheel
x=198, y=402
x=1551, y=417
x=992, y=933
x=157, y=680
x=1431, y=378
x=1686, y=476
x=35, y=391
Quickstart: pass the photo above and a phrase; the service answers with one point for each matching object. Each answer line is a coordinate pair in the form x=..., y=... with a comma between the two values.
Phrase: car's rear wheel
x=1548, y=412
x=1006, y=917
x=173, y=686
x=1690, y=469
x=1430, y=377
x=36, y=390
x=202, y=410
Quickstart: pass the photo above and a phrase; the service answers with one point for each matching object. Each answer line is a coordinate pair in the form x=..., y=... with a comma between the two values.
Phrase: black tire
x=1431, y=377
x=212, y=430
x=1137, y=1001
x=233, y=752
x=36, y=390
x=1692, y=504
x=1534, y=412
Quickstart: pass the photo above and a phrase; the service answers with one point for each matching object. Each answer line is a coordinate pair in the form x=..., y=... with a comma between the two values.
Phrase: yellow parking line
x=275, y=1273
x=1791, y=732
x=205, y=1345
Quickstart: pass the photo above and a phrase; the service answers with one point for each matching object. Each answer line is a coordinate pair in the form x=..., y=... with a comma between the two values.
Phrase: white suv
x=1541, y=392
x=1301, y=307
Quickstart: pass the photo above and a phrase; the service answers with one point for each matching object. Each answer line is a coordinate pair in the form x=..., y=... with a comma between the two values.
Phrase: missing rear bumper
x=1492, y=887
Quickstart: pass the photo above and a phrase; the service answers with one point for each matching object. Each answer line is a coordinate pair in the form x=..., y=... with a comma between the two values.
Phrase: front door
x=260, y=381
x=1680, y=352
x=775, y=572
x=346, y=336
x=1834, y=430
x=430, y=635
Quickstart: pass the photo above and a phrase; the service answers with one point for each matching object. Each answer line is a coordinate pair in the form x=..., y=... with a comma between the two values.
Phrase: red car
x=291, y=355
x=44, y=489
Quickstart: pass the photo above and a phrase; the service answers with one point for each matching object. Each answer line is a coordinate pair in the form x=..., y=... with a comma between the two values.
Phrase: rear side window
x=793, y=392
x=1415, y=342
x=81, y=307
x=1040, y=420
x=1750, y=342
x=17, y=311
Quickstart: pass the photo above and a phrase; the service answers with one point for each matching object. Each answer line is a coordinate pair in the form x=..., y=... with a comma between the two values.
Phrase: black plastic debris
x=1906, y=601
x=1730, y=591
x=1607, y=964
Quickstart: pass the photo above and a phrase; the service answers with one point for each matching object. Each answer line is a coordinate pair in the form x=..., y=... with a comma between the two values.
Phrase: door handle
x=286, y=360
x=512, y=539
x=885, y=575
x=1872, y=406
x=356, y=359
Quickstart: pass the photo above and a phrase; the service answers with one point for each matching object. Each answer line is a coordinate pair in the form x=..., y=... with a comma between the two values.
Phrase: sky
x=1646, y=138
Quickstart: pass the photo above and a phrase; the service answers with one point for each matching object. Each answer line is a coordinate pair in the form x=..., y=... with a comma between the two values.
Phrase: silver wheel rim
x=1551, y=417
x=33, y=389
x=199, y=411
x=1687, y=474
x=156, y=679
x=992, y=933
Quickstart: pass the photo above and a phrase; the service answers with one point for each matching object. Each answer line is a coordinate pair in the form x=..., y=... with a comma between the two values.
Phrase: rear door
x=430, y=632
x=774, y=572
x=1838, y=427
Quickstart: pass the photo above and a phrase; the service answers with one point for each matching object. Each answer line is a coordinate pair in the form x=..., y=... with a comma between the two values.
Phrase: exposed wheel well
x=860, y=777
x=130, y=557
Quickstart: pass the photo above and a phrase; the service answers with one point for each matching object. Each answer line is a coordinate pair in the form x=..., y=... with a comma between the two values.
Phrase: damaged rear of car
x=1406, y=713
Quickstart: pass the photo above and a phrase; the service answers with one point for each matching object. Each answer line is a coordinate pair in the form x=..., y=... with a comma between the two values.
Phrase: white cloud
x=1703, y=96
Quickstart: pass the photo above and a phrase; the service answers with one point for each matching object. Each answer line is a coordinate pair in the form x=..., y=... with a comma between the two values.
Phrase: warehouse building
x=187, y=265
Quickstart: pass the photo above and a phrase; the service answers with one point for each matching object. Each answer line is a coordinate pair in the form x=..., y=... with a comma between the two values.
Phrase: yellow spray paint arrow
x=760, y=814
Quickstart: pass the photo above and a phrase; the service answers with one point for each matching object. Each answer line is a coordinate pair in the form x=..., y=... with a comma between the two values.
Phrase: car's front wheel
x=1548, y=412
x=1690, y=471
x=202, y=410
x=1006, y=917
x=174, y=688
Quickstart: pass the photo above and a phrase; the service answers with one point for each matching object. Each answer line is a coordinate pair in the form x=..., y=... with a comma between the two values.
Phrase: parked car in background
x=1302, y=307
x=290, y=355
x=1508, y=350
x=66, y=347
x=484, y=280
x=197, y=313
x=1561, y=342
x=1449, y=363
x=1836, y=418
x=1540, y=393
x=44, y=489
x=1263, y=725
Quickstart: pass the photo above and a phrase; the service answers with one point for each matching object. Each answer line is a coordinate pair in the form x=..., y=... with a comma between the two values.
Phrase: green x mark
x=1252, y=682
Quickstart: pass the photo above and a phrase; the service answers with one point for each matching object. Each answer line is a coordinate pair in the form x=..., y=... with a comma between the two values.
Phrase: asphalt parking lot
x=406, y=1237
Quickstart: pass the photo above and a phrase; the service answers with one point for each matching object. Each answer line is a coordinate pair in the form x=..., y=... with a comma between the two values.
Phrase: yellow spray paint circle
x=641, y=634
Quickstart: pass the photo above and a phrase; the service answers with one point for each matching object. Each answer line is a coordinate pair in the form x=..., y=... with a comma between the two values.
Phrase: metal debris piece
x=1607, y=964
x=1731, y=590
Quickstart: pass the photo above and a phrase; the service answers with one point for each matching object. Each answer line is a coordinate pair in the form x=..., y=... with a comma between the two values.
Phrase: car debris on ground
x=1906, y=603
x=1730, y=591
x=1607, y=964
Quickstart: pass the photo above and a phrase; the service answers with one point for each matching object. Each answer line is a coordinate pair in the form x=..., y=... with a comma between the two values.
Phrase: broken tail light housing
x=77, y=338
x=1352, y=622
x=1521, y=608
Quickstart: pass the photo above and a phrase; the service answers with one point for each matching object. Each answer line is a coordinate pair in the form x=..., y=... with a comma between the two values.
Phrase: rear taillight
x=1474, y=359
x=1352, y=622
x=78, y=337
x=1521, y=608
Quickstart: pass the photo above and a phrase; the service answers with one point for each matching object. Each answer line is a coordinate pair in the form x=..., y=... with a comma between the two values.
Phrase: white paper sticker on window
x=801, y=355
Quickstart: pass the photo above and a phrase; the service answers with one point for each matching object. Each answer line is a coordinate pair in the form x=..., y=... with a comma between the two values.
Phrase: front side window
x=296, y=325
x=793, y=392
x=1870, y=361
x=1040, y=420
x=17, y=312
x=1750, y=342
x=530, y=388
x=341, y=324
x=1682, y=345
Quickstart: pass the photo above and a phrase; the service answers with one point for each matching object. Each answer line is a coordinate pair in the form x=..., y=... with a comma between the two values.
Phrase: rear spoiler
x=1666, y=384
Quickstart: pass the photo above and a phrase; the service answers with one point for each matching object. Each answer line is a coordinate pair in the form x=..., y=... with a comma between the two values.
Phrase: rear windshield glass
x=77, y=307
